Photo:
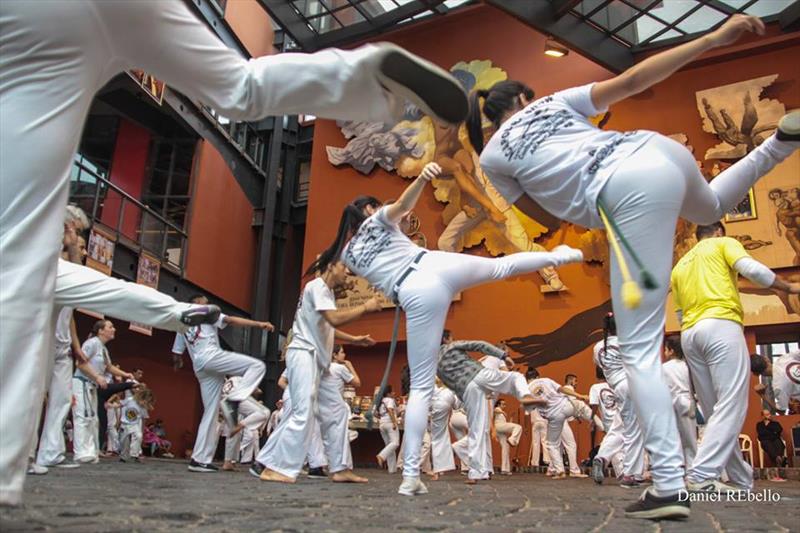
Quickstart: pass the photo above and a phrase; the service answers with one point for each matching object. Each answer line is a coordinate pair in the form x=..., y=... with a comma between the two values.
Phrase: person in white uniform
x=211, y=364
x=706, y=296
x=548, y=159
x=785, y=375
x=134, y=409
x=84, y=410
x=308, y=356
x=390, y=432
x=114, y=417
x=603, y=400
x=508, y=434
x=538, y=429
x=607, y=357
x=442, y=404
x=581, y=412
x=84, y=44
x=253, y=416
x=371, y=244
x=676, y=374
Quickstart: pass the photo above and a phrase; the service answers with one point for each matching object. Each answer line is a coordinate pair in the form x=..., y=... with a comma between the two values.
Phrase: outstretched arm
x=247, y=323
x=338, y=317
x=660, y=66
x=761, y=275
x=358, y=340
x=410, y=197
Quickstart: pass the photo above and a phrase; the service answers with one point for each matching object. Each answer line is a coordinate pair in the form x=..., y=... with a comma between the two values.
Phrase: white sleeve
x=380, y=216
x=92, y=347
x=220, y=323
x=754, y=271
x=508, y=187
x=345, y=374
x=580, y=99
x=323, y=298
x=594, y=397
x=179, y=346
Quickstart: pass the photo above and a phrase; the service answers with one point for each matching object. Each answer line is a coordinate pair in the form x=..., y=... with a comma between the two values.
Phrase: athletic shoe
x=230, y=412
x=255, y=469
x=789, y=127
x=36, y=470
x=317, y=473
x=412, y=486
x=200, y=314
x=194, y=466
x=88, y=460
x=629, y=482
x=578, y=475
x=568, y=254
x=66, y=463
x=598, y=470
x=431, y=88
x=658, y=507
x=711, y=485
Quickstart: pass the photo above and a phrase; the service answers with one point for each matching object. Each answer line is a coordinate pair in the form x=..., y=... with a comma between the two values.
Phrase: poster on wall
x=149, y=84
x=100, y=250
x=146, y=274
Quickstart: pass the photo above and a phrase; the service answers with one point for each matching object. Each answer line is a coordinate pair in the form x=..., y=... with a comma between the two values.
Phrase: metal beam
x=285, y=15
x=789, y=18
x=588, y=42
x=211, y=15
x=562, y=7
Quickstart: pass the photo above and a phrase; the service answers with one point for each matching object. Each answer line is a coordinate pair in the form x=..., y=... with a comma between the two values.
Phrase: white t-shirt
x=63, y=334
x=202, y=342
x=602, y=395
x=337, y=375
x=132, y=412
x=554, y=154
x=311, y=331
x=380, y=252
x=495, y=363
x=98, y=357
x=443, y=400
x=676, y=374
x=499, y=417
x=786, y=379
x=547, y=389
x=386, y=404
x=610, y=362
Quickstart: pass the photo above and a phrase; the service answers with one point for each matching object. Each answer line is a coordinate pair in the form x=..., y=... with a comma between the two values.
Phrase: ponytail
x=475, y=120
x=498, y=101
x=352, y=218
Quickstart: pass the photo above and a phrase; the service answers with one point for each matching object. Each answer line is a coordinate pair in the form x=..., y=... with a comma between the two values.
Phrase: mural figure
x=787, y=217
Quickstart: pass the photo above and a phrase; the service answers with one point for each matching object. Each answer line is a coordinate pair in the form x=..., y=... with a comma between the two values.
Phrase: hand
x=494, y=435
x=431, y=170
x=363, y=340
x=177, y=362
x=102, y=382
x=128, y=375
x=372, y=305
x=497, y=216
x=70, y=238
x=266, y=325
x=760, y=389
x=794, y=288
x=734, y=27
x=509, y=362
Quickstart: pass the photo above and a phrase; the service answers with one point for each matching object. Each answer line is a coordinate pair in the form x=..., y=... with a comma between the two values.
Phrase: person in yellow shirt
x=704, y=288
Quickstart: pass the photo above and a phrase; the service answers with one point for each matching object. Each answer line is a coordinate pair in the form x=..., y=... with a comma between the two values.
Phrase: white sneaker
x=568, y=254
x=711, y=485
x=789, y=127
x=36, y=470
x=412, y=486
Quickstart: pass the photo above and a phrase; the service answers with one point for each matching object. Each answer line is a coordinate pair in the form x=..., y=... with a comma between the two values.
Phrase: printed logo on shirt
x=603, y=153
x=228, y=387
x=793, y=372
x=371, y=239
x=131, y=415
x=537, y=125
x=192, y=335
x=538, y=390
x=608, y=399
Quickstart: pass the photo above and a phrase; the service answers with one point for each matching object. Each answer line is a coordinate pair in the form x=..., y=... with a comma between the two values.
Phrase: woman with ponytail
x=549, y=160
x=423, y=283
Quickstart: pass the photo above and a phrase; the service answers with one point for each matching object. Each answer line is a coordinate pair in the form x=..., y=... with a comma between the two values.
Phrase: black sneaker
x=598, y=470
x=658, y=507
x=434, y=90
x=230, y=412
x=255, y=469
x=200, y=314
x=317, y=473
x=194, y=466
x=789, y=127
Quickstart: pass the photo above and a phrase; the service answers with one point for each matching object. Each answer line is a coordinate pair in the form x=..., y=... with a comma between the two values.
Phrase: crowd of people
x=543, y=155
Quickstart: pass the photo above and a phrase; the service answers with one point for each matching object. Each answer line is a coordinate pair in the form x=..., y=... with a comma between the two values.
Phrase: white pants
x=425, y=297
x=334, y=417
x=112, y=433
x=391, y=440
x=316, y=449
x=633, y=461
x=212, y=378
x=646, y=211
x=253, y=416
x=687, y=426
x=84, y=420
x=556, y=432
x=130, y=440
x=508, y=434
x=719, y=363
x=612, y=448
x=538, y=440
x=81, y=45
x=441, y=447
x=460, y=429
x=59, y=401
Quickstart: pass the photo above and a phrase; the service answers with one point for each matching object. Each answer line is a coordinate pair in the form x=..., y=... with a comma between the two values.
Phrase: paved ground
x=164, y=496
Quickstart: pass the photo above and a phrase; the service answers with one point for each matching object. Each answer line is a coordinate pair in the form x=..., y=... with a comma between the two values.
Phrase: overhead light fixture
x=553, y=49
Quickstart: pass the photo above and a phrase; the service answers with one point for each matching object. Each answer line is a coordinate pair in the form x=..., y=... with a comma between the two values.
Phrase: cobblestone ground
x=163, y=496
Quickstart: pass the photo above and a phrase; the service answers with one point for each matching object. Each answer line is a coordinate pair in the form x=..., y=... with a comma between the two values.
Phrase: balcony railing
x=135, y=224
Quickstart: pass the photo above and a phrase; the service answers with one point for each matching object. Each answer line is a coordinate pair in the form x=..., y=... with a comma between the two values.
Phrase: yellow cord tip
x=631, y=294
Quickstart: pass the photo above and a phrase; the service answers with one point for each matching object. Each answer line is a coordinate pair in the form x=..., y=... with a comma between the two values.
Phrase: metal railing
x=135, y=224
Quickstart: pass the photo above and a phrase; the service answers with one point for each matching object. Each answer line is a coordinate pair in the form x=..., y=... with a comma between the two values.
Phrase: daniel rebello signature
x=743, y=496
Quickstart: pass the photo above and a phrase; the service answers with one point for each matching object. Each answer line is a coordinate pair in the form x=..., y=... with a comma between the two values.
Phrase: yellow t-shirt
x=704, y=281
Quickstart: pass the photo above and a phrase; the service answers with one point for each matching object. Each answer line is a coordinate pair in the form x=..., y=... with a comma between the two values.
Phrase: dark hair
x=707, y=231
x=387, y=391
x=598, y=373
x=501, y=98
x=673, y=342
x=97, y=326
x=532, y=373
x=566, y=378
x=609, y=324
x=446, y=334
x=758, y=364
x=196, y=296
x=352, y=218
x=338, y=348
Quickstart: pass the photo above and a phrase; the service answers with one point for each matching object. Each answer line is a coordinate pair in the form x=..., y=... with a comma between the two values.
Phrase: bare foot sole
x=271, y=475
x=229, y=468
x=348, y=476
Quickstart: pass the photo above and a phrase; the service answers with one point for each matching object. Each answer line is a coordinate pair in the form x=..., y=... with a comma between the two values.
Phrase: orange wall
x=252, y=26
x=222, y=243
x=515, y=307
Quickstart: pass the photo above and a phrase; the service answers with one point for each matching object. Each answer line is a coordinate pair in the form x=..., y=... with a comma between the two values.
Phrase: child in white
x=335, y=410
x=387, y=423
x=211, y=364
x=548, y=159
x=508, y=433
x=676, y=374
x=307, y=358
x=253, y=416
x=134, y=409
x=114, y=416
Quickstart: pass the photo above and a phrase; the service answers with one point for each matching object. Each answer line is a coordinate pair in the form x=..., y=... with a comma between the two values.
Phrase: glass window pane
x=672, y=10
x=348, y=16
x=615, y=14
x=671, y=34
x=764, y=8
x=646, y=27
x=701, y=20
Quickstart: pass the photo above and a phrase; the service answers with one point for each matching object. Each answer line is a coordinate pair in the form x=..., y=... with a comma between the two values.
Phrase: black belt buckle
x=405, y=274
